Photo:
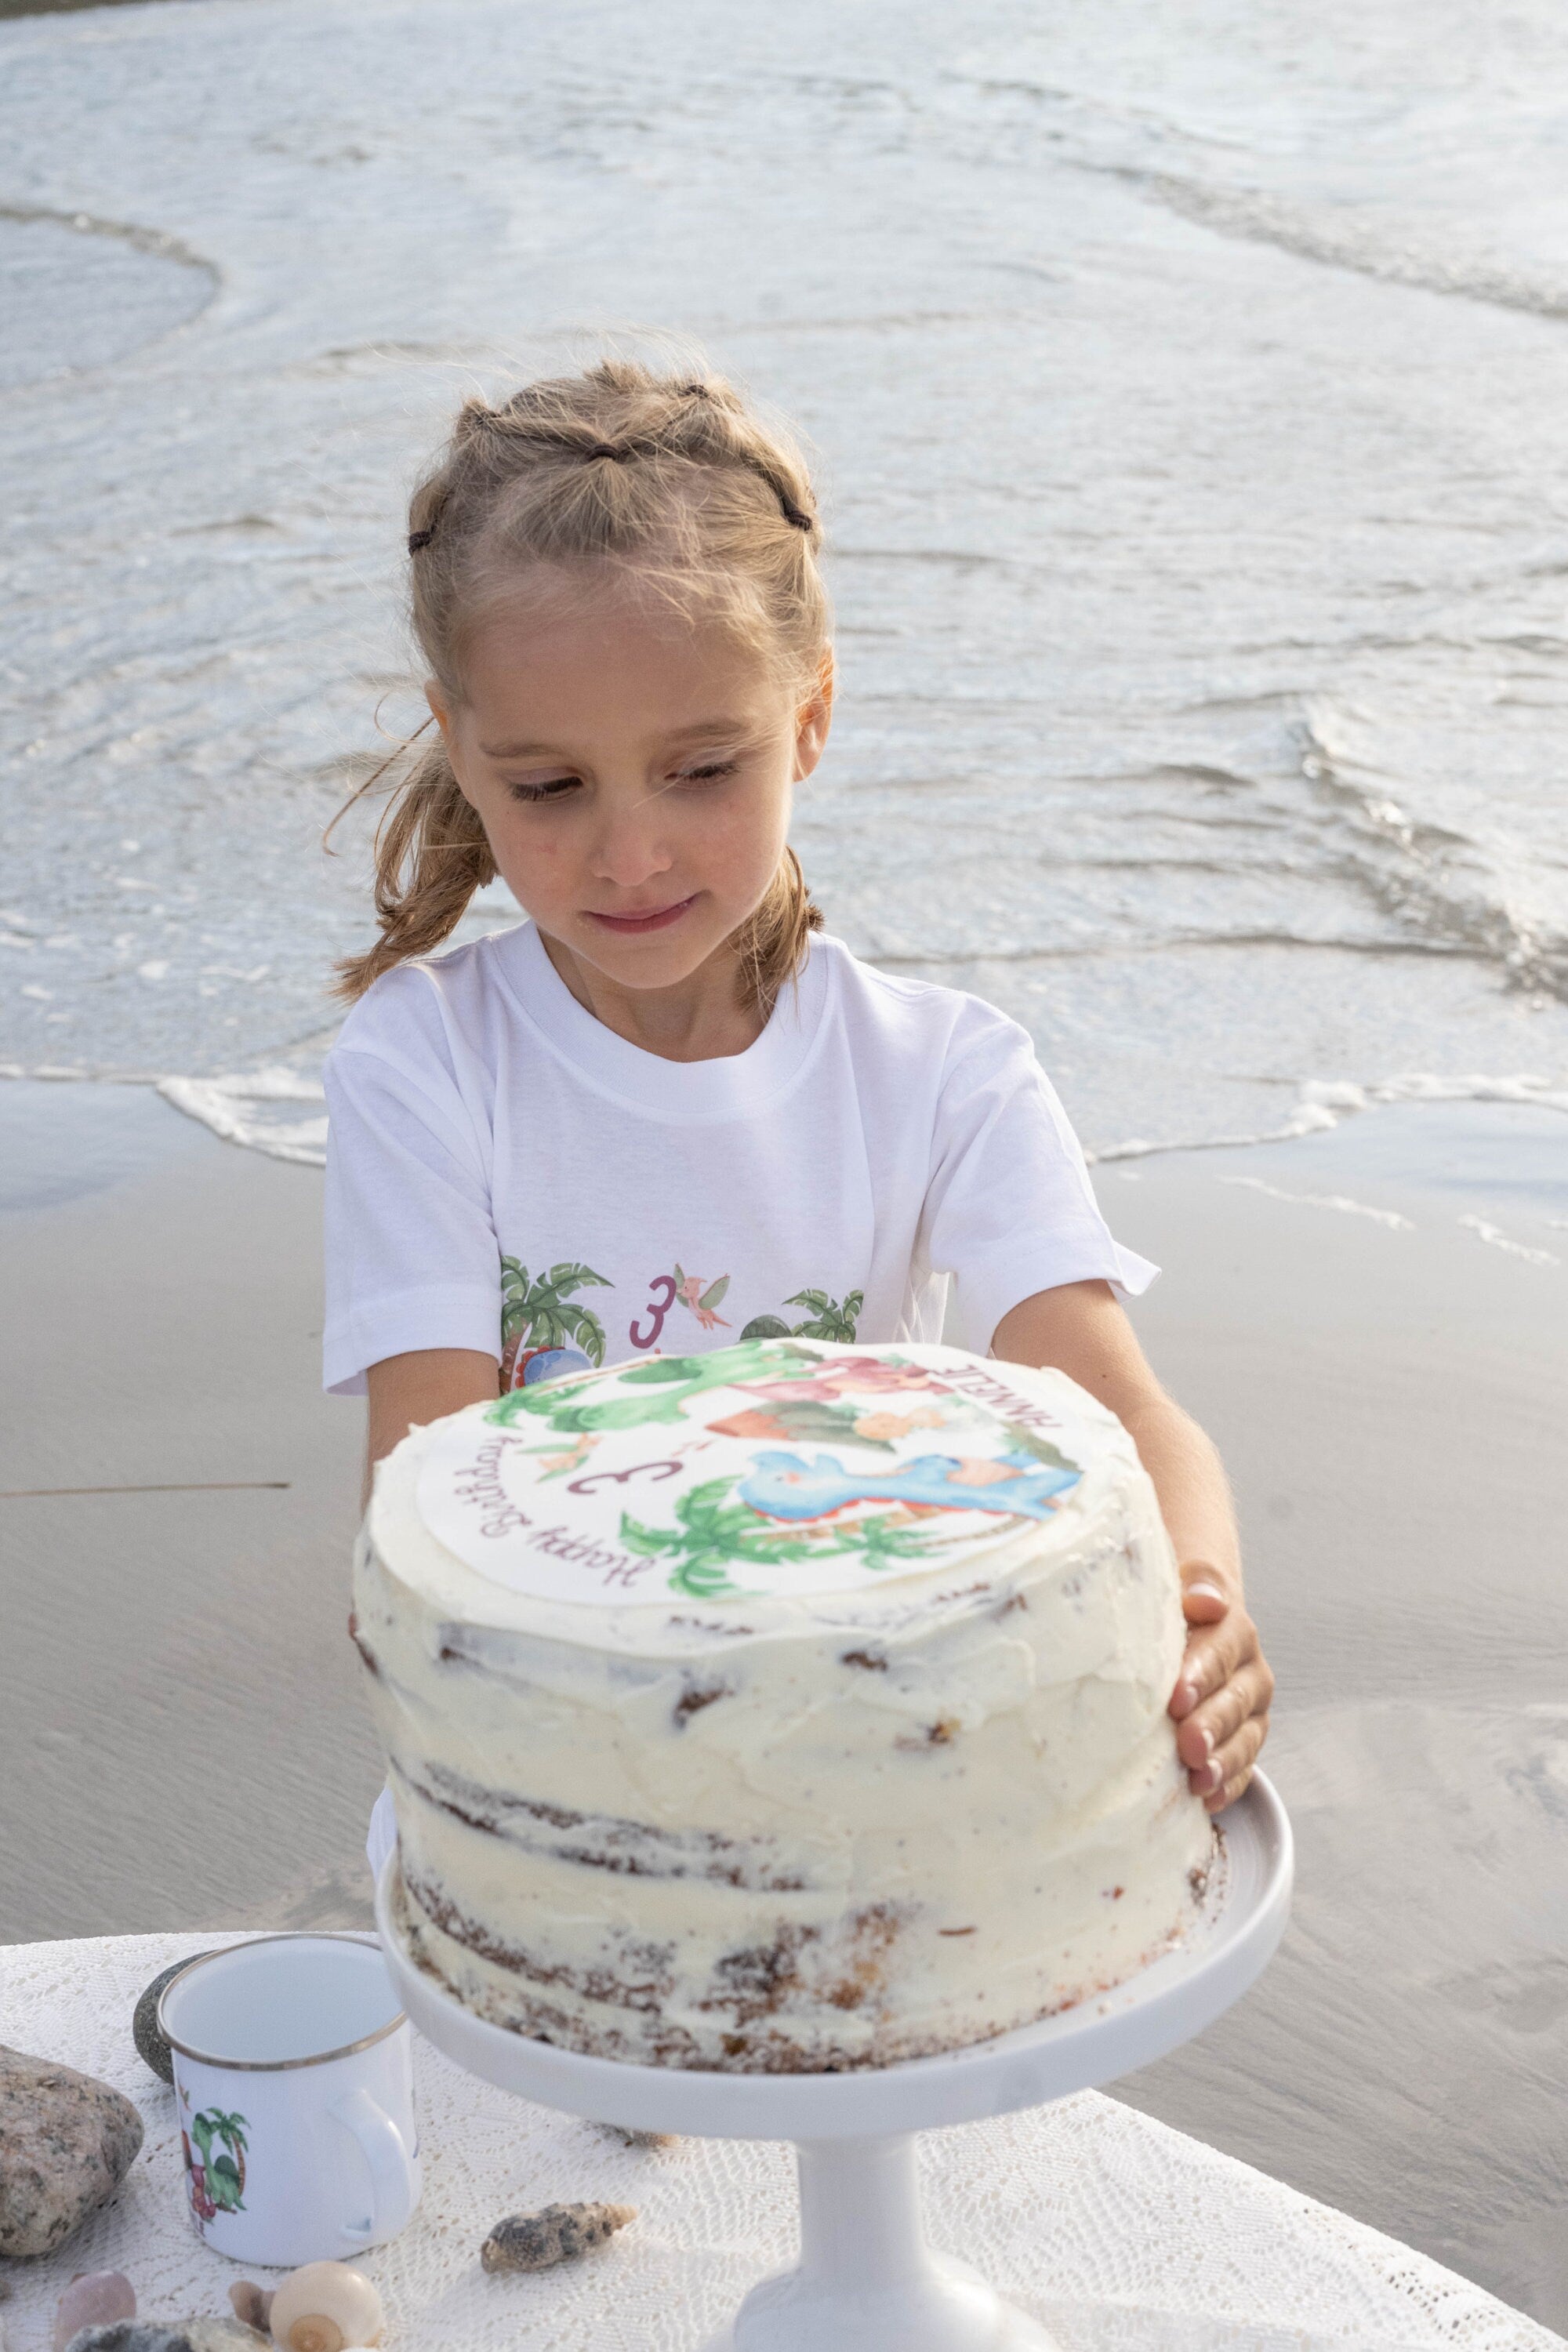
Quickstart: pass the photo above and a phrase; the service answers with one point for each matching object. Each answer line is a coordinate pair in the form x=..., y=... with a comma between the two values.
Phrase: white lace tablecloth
x=1117, y=2233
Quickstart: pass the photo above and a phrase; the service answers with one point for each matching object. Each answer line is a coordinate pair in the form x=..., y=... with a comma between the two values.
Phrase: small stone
x=629, y=2138
x=557, y=2233
x=171, y=2336
x=149, y=2044
x=92, y=2301
x=66, y=2142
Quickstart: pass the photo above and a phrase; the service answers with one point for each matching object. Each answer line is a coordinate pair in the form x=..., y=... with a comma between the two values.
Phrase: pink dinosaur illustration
x=703, y=1297
x=857, y=1374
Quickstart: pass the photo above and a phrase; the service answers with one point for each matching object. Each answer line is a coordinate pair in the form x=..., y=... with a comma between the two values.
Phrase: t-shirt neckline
x=733, y=1085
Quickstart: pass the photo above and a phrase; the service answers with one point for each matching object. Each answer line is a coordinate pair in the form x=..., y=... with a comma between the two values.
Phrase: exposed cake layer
x=793, y=1831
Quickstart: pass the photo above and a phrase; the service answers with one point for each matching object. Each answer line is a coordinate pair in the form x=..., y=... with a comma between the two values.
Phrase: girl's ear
x=813, y=719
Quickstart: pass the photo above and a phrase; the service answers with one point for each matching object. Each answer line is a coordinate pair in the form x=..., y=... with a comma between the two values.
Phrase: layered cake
x=795, y=1707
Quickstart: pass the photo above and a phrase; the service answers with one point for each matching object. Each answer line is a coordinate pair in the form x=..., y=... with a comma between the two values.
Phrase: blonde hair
x=679, y=485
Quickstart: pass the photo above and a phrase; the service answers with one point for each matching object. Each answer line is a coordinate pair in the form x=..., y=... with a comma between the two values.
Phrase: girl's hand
x=1221, y=1700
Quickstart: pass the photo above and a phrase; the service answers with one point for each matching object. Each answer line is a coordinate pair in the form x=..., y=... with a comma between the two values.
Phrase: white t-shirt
x=505, y=1173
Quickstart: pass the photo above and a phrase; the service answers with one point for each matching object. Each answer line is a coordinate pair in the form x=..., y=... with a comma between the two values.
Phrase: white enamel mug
x=294, y=2076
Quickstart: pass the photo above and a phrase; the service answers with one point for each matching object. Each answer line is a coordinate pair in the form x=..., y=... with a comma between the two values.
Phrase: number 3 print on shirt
x=657, y=1309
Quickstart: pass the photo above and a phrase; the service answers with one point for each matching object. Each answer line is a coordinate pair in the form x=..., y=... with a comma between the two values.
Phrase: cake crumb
x=692, y=1702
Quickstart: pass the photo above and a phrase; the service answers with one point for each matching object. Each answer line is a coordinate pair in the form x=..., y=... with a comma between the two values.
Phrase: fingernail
x=1204, y=1591
x=1208, y=1778
x=1186, y=1697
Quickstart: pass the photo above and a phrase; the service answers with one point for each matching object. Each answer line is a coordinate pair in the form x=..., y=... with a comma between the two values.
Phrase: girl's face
x=633, y=776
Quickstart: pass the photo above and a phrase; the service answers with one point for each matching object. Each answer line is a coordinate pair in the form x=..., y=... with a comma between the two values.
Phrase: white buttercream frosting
x=888, y=1775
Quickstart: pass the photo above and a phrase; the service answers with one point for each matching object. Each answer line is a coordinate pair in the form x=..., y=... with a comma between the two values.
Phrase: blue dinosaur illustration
x=787, y=1487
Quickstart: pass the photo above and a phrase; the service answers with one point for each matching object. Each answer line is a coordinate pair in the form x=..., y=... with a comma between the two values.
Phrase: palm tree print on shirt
x=539, y=1319
x=829, y=1318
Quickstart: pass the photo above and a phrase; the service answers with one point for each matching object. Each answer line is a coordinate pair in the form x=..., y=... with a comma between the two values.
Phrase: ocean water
x=1187, y=384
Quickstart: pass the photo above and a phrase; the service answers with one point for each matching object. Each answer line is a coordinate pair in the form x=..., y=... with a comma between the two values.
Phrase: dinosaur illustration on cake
x=657, y=1392
x=787, y=1487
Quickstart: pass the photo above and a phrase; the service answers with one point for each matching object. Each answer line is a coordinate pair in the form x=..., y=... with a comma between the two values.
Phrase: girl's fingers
x=1230, y=1756
x=1236, y=1760
x=1204, y=1599
x=1202, y=1734
x=1213, y=1657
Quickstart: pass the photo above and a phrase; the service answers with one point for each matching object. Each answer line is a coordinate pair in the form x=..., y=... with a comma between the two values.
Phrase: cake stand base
x=867, y=2281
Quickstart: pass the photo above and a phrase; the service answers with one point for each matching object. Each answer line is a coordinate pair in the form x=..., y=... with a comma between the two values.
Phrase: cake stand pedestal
x=867, y=2280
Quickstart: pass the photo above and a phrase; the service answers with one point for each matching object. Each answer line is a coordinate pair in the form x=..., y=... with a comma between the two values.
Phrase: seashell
x=557, y=2233
x=325, y=2307
x=94, y=2299
x=629, y=2138
x=252, y=2304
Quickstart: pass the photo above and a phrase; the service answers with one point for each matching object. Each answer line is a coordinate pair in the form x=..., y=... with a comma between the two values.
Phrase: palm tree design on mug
x=829, y=1318
x=539, y=1317
x=216, y=2182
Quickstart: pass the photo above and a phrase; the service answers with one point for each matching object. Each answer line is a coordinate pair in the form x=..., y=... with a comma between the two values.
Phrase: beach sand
x=183, y=1744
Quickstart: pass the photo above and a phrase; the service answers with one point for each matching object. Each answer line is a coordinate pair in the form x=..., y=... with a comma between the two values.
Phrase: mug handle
x=391, y=2172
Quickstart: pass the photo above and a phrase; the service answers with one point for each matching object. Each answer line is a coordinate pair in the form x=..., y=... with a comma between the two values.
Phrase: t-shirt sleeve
x=1009, y=1208
x=412, y=1259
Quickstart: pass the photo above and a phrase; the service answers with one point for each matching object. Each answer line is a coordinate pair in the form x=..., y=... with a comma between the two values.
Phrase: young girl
x=667, y=1111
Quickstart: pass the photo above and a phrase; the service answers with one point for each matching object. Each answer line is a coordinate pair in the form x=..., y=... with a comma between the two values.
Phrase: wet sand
x=181, y=1737
x=181, y=1740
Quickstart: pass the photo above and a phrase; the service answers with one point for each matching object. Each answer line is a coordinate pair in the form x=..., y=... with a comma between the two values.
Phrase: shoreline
x=186, y=1746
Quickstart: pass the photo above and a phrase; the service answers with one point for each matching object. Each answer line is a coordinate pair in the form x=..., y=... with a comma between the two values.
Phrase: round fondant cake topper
x=775, y=1466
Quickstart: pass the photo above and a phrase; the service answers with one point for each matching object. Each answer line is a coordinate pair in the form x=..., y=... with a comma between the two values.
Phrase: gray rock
x=149, y=2044
x=66, y=2142
x=169, y=2335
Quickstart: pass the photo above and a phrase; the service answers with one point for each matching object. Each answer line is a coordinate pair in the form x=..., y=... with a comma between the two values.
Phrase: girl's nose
x=631, y=848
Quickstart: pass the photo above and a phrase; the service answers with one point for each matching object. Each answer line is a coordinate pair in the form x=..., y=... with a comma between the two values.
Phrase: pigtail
x=770, y=944
x=431, y=855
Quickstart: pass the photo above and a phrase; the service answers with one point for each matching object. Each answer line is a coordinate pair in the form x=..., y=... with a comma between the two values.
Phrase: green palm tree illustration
x=888, y=1541
x=226, y=2173
x=541, y=1311
x=829, y=1319
x=715, y=1535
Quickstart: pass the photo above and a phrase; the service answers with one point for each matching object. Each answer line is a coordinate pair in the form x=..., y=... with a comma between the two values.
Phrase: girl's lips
x=656, y=919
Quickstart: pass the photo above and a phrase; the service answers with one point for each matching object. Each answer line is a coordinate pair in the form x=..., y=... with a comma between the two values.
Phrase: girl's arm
x=421, y=1387
x=1222, y=1696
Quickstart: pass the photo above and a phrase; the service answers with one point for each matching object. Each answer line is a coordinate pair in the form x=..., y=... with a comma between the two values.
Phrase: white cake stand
x=867, y=2281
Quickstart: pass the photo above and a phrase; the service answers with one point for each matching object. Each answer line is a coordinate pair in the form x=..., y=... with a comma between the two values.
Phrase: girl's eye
x=709, y=774
x=552, y=789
